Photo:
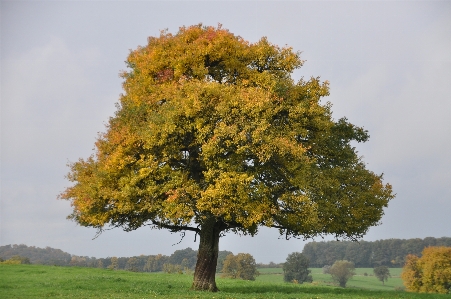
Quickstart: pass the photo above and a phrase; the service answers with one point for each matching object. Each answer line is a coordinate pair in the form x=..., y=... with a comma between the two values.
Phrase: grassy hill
x=40, y=281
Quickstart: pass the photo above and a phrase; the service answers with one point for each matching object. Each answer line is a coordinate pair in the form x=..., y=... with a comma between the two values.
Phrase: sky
x=388, y=64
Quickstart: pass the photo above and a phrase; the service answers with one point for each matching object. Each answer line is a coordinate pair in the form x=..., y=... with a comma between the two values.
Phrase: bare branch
x=175, y=228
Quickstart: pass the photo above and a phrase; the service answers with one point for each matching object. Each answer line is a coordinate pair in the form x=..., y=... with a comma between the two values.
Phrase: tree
x=179, y=255
x=132, y=265
x=296, y=268
x=222, y=255
x=430, y=273
x=382, y=273
x=99, y=264
x=114, y=263
x=213, y=136
x=342, y=271
x=241, y=266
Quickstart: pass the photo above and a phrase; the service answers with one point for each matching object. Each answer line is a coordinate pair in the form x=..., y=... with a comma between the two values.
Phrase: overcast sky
x=388, y=62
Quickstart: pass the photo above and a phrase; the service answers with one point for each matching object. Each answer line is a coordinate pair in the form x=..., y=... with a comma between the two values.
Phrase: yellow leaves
x=429, y=274
x=232, y=197
x=211, y=124
x=180, y=204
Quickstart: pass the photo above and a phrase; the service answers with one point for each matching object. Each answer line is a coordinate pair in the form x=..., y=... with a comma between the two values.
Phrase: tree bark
x=207, y=257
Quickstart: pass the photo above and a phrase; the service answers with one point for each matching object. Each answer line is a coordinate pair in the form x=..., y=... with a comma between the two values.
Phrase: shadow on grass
x=288, y=289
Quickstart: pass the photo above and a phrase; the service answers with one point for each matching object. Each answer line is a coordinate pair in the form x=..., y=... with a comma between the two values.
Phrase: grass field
x=37, y=281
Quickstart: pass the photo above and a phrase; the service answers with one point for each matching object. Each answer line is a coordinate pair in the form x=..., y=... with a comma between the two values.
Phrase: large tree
x=212, y=135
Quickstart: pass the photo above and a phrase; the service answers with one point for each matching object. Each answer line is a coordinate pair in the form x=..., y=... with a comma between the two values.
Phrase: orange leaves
x=165, y=75
x=411, y=274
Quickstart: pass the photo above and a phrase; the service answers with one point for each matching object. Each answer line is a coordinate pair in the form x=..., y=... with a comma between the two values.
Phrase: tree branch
x=175, y=228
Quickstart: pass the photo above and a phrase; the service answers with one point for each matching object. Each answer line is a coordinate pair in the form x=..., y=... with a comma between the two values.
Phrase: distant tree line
x=180, y=260
x=44, y=256
x=389, y=252
x=269, y=265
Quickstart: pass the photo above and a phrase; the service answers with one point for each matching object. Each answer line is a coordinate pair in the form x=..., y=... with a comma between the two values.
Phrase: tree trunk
x=207, y=257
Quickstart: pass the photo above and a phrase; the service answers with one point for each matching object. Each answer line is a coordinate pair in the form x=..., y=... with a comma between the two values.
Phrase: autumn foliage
x=241, y=266
x=212, y=135
x=430, y=273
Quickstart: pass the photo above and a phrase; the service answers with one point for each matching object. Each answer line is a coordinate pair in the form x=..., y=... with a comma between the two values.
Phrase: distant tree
x=342, y=271
x=382, y=273
x=173, y=268
x=132, y=265
x=296, y=269
x=270, y=265
x=241, y=266
x=114, y=263
x=430, y=273
x=187, y=254
x=389, y=252
x=212, y=135
x=155, y=263
x=100, y=264
x=221, y=258
x=46, y=256
x=148, y=267
x=230, y=266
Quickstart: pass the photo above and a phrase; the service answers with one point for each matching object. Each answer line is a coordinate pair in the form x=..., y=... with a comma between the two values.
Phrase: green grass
x=360, y=281
x=38, y=281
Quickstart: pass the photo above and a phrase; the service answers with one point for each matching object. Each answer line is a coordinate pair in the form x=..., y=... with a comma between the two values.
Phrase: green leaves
x=295, y=268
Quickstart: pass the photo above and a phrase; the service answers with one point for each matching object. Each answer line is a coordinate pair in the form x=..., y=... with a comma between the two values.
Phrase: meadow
x=39, y=281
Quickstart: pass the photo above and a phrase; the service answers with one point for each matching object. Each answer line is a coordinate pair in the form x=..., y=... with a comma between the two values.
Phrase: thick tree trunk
x=207, y=257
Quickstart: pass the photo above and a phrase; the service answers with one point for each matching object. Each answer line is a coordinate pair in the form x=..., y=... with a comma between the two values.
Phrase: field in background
x=360, y=281
x=38, y=281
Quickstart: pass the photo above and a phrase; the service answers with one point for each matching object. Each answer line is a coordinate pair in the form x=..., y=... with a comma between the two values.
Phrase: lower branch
x=175, y=228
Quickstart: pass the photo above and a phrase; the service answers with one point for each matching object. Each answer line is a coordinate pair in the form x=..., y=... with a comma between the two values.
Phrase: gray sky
x=389, y=64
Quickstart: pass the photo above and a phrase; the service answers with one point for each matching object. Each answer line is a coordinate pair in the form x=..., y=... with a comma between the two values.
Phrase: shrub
x=16, y=260
x=241, y=266
x=295, y=269
x=172, y=268
x=342, y=271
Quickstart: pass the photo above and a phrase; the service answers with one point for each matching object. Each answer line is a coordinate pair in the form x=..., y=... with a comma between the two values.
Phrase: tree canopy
x=342, y=271
x=241, y=266
x=213, y=135
x=366, y=254
x=430, y=273
x=296, y=269
x=382, y=273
